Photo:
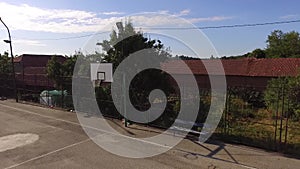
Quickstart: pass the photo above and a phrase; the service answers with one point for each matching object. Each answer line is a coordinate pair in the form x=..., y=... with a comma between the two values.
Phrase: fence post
x=281, y=116
x=287, y=120
x=62, y=93
x=225, y=113
x=228, y=97
x=276, y=116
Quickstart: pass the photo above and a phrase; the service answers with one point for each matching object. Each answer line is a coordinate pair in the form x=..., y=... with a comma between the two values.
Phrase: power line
x=69, y=37
x=176, y=28
x=225, y=26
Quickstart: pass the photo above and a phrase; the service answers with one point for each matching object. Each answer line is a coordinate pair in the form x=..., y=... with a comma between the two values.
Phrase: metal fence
x=30, y=86
x=246, y=118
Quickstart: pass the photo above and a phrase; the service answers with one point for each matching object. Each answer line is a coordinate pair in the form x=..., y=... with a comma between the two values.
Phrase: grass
x=258, y=129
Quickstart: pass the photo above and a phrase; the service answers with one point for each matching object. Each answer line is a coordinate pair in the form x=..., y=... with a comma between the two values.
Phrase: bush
x=282, y=94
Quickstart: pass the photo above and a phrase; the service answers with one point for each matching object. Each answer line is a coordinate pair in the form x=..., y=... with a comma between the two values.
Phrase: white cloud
x=172, y=20
x=184, y=12
x=112, y=13
x=25, y=17
x=163, y=12
x=28, y=42
x=210, y=19
x=291, y=16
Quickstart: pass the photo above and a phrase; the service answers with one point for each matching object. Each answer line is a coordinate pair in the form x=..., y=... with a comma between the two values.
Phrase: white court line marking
x=44, y=155
x=13, y=141
x=85, y=126
x=104, y=131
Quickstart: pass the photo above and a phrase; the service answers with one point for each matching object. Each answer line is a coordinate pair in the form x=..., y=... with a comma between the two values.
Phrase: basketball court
x=37, y=137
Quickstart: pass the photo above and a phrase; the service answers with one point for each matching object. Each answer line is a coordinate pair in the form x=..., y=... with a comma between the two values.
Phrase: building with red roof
x=245, y=72
x=31, y=70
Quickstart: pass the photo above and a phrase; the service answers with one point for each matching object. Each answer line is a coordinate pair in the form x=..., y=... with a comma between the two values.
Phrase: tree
x=55, y=71
x=283, y=45
x=68, y=66
x=279, y=45
x=5, y=64
x=184, y=57
x=83, y=62
x=61, y=73
x=125, y=41
x=258, y=53
x=284, y=93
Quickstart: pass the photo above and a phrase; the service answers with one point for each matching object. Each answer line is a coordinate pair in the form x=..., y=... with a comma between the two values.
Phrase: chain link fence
x=249, y=118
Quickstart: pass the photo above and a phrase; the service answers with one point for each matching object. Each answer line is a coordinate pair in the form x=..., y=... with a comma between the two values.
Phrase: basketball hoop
x=101, y=73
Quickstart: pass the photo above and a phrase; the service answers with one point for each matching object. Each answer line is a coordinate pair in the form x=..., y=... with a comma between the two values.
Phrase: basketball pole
x=124, y=100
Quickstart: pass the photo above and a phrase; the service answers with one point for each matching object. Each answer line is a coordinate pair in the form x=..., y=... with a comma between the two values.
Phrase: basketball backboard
x=101, y=72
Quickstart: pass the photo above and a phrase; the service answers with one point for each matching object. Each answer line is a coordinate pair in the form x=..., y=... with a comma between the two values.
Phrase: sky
x=64, y=26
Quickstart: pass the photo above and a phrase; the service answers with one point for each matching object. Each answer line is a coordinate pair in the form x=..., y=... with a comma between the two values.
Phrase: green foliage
x=279, y=45
x=103, y=93
x=283, y=94
x=258, y=53
x=249, y=96
x=205, y=102
x=249, y=54
x=84, y=61
x=125, y=42
x=105, y=103
x=55, y=71
x=5, y=64
x=294, y=97
x=61, y=72
x=184, y=57
x=277, y=91
x=283, y=45
x=68, y=66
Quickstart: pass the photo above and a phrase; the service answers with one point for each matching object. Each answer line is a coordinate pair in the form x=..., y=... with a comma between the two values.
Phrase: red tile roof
x=274, y=67
x=271, y=67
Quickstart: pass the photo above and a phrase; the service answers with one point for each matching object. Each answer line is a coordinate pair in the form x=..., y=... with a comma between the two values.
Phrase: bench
x=178, y=127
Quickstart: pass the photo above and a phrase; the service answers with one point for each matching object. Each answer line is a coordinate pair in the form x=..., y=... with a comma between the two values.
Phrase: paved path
x=62, y=143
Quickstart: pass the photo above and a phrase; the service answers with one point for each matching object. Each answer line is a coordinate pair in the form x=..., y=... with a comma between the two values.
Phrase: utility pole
x=12, y=60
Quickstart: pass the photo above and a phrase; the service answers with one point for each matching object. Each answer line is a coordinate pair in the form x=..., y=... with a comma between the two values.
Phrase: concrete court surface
x=62, y=143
